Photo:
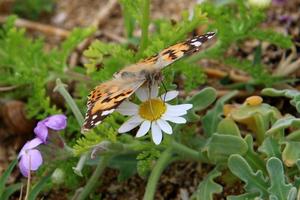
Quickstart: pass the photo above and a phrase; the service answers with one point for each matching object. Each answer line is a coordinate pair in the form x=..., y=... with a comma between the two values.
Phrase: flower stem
x=188, y=152
x=60, y=87
x=144, y=24
x=162, y=162
x=94, y=178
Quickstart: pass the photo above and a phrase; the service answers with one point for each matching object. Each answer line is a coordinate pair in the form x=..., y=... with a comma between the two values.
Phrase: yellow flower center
x=152, y=109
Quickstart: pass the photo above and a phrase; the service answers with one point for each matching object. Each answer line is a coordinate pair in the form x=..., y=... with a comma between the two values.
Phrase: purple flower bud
x=55, y=122
x=30, y=158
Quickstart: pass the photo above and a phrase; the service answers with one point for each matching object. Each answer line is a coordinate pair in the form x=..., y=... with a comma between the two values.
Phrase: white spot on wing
x=107, y=112
x=94, y=117
x=196, y=44
x=97, y=123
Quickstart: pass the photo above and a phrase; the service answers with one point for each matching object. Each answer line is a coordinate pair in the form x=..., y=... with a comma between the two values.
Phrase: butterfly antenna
x=165, y=88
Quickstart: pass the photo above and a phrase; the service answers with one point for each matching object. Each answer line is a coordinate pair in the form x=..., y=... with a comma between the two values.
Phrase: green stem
x=60, y=87
x=94, y=178
x=188, y=152
x=162, y=162
x=145, y=24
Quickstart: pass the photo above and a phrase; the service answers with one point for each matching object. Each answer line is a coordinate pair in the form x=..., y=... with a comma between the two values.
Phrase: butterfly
x=106, y=97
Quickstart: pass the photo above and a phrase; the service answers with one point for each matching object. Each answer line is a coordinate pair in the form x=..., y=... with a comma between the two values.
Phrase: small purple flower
x=55, y=122
x=30, y=158
x=279, y=2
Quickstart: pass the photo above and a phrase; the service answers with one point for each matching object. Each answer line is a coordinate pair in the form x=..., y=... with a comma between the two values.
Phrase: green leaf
x=294, y=95
x=255, y=182
x=220, y=147
x=253, y=158
x=208, y=187
x=279, y=189
x=283, y=123
x=291, y=153
x=272, y=37
x=39, y=187
x=246, y=196
x=5, y=175
x=10, y=190
x=126, y=165
x=270, y=147
x=228, y=127
x=200, y=101
x=212, y=118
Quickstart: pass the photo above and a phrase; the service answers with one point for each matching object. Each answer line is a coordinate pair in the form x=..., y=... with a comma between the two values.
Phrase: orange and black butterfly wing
x=105, y=98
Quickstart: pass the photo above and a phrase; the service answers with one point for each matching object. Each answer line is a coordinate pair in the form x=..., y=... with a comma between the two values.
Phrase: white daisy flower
x=153, y=113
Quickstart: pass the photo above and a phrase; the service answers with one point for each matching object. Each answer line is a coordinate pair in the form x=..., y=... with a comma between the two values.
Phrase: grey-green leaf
x=279, y=189
x=228, y=127
x=201, y=101
x=270, y=147
x=212, y=118
x=208, y=187
x=285, y=122
x=255, y=182
x=220, y=147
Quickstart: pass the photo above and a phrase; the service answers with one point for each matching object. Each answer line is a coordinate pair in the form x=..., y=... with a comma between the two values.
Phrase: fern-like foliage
x=24, y=63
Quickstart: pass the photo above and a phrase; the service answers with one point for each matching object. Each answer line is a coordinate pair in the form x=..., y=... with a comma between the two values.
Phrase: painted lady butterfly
x=106, y=97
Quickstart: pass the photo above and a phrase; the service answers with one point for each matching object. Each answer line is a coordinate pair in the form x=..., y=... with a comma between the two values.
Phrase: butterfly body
x=106, y=97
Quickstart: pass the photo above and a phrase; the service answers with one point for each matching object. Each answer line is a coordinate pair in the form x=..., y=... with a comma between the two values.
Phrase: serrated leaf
x=253, y=159
x=228, y=127
x=208, y=187
x=200, y=101
x=220, y=147
x=270, y=147
x=254, y=181
x=285, y=122
x=212, y=118
x=279, y=189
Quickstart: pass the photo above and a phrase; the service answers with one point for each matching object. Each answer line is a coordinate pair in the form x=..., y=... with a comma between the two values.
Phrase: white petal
x=130, y=124
x=165, y=126
x=177, y=120
x=154, y=90
x=127, y=108
x=169, y=95
x=177, y=110
x=142, y=93
x=156, y=133
x=144, y=128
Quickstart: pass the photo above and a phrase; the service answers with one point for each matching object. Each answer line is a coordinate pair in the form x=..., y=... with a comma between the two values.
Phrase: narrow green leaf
x=212, y=118
x=220, y=147
x=255, y=182
x=6, y=175
x=208, y=187
x=10, y=190
x=39, y=187
x=279, y=189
